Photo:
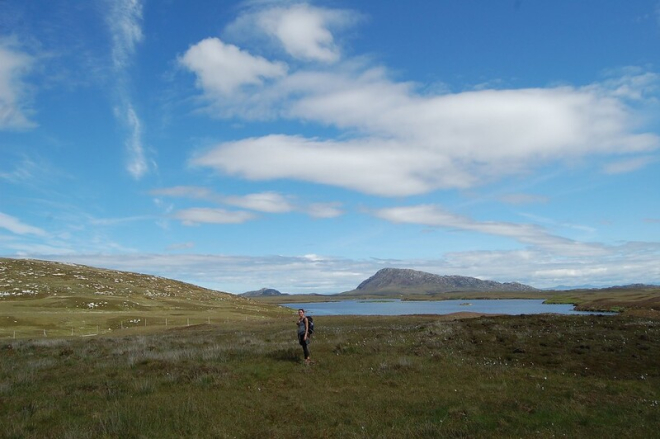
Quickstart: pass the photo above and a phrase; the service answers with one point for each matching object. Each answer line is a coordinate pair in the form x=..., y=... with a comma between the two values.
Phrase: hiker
x=303, y=333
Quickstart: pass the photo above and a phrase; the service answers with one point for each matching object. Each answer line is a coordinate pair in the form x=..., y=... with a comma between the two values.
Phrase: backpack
x=310, y=325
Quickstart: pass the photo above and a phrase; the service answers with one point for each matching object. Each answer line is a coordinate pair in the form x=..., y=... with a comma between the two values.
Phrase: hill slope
x=406, y=281
x=50, y=295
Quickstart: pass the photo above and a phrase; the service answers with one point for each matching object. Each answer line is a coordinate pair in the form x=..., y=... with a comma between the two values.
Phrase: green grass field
x=399, y=377
x=92, y=353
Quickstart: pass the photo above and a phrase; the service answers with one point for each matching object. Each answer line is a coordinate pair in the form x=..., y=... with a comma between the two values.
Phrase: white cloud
x=137, y=161
x=398, y=142
x=624, y=264
x=628, y=165
x=393, y=139
x=200, y=215
x=536, y=236
x=266, y=202
x=14, y=225
x=303, y=30
x=523, y=199
x=269, y=202
x=126, y=31
x=372, y=166
x=185, y=191
x=14, y=65
x=124, y=22
x=222, y=69
x=181, y=246
x=325, y=210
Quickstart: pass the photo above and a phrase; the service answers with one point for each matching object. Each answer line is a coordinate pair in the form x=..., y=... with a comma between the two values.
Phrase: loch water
x=406, y=307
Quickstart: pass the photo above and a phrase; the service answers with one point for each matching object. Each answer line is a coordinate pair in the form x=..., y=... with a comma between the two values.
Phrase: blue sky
x=303, y=146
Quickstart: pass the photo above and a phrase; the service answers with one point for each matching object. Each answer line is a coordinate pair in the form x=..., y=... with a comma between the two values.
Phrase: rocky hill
x=264, y=292
x=395, y=280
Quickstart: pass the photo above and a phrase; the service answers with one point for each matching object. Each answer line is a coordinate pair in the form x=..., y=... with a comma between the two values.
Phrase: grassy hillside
x=643, y=301
x=40, y=298
x=393, y=377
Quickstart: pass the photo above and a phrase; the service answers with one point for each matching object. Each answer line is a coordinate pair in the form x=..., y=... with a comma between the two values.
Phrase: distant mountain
x=396, y=280
x=264, y=292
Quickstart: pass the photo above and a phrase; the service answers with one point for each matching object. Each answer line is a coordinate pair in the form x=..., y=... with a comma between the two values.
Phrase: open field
x=398, y=377
x=640, y=301
x=91, y=353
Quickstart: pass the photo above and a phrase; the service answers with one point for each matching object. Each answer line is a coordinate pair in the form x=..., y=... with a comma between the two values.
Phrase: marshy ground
x=406, y=376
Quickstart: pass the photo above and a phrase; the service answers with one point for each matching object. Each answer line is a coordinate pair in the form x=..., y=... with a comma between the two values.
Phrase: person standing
x=303, y=333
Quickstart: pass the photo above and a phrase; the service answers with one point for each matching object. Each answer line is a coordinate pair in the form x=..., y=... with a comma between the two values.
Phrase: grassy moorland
x=47, y=299
x=89, y=353
x=394, y=377
x=643, y=301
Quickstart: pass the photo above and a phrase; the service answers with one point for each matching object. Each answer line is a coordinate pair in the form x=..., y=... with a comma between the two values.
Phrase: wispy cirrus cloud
x=523, y=199
x=14, y=102
x=628, y=165
x=124, y=22
x=528, y=234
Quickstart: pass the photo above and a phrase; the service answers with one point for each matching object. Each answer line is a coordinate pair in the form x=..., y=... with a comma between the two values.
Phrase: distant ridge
x=264, y=292
x=397, y=280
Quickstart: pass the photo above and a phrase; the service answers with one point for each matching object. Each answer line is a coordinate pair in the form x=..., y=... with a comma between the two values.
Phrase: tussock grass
x=398, y=377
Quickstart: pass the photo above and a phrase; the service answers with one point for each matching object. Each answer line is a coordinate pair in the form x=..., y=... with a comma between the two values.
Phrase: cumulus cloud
x=302, y=30
x=222, y=69
x=14, y=65
x=410, y=142
x=368, y=165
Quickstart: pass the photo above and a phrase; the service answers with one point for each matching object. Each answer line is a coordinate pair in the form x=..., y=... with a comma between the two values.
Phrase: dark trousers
x=304, y=343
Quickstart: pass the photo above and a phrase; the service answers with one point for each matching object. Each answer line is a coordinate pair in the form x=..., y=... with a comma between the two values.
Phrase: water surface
x=396, y=307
